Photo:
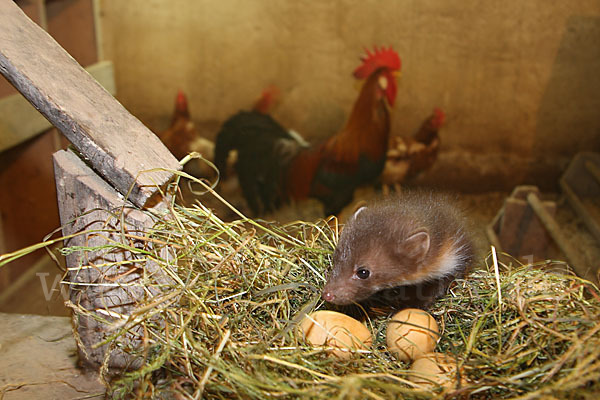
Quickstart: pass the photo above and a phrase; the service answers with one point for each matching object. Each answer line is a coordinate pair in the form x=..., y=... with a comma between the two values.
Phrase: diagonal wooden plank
x=19, y=121
x=114, y=142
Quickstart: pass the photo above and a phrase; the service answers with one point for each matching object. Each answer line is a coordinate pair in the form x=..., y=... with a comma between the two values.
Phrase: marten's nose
x=328, y=296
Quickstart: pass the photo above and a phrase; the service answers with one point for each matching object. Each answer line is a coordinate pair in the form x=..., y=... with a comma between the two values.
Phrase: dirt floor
x=38, y=360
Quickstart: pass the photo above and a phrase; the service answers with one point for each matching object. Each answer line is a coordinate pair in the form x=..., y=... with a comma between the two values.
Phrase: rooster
x=273, y=166
x=408, y=157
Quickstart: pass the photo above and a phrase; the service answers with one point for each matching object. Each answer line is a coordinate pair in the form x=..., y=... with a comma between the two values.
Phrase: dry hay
x=225, y=326
x=228, y=330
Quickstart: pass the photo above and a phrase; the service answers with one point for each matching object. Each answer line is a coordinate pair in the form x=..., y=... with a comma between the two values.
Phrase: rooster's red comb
x=268, y=97
x=181, y=101
x=438, y=117
x=379, y=58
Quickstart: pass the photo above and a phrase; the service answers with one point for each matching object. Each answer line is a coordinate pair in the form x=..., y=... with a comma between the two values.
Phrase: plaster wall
x=519, y=80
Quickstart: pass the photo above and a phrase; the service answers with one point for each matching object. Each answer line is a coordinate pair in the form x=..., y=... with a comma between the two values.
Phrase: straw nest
x=225, y=327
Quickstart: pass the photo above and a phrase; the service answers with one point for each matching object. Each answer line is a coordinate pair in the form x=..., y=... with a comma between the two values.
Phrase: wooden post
x=102, y=282
x=115, y=143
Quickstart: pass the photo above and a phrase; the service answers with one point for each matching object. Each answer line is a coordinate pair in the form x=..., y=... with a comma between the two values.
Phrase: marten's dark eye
x=363, y=273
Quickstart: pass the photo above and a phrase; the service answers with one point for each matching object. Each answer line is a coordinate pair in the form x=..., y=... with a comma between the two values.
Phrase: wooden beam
x=118, y=146
x=20, y=121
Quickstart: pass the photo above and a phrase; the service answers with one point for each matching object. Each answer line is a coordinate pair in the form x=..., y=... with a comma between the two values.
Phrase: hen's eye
x=363, y=273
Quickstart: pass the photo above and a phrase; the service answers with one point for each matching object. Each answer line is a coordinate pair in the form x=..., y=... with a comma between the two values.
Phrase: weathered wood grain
x=114, y=142
x=108, y=280
x=19, y=121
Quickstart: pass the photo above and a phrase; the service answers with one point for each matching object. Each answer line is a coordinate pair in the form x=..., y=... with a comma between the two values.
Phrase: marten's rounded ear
x=417, y=244
x=360, y=209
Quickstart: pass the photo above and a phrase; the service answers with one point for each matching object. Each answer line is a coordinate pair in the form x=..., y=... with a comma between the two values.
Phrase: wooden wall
x=28, y=208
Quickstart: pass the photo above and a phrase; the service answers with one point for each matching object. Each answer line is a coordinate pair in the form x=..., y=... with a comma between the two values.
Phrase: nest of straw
x=238, y=290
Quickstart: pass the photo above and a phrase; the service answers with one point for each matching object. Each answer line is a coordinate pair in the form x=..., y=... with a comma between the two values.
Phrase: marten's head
x=377, y=250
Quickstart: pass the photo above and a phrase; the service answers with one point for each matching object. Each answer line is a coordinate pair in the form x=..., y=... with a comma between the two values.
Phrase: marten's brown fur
x=406, y=249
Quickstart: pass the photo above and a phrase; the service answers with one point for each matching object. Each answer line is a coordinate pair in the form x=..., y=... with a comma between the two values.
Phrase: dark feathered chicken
x=273, y=166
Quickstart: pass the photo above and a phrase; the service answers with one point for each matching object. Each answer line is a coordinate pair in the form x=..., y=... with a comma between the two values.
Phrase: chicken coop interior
x=516, y=81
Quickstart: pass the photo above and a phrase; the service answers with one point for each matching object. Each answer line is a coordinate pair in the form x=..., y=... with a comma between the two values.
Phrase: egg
x=339, y=331
x=434, y=369
x=411, y=333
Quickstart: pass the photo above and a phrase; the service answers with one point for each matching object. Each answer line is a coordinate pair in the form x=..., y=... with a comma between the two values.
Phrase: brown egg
x=434, y=369
x=411, y=333
x=337, y=330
